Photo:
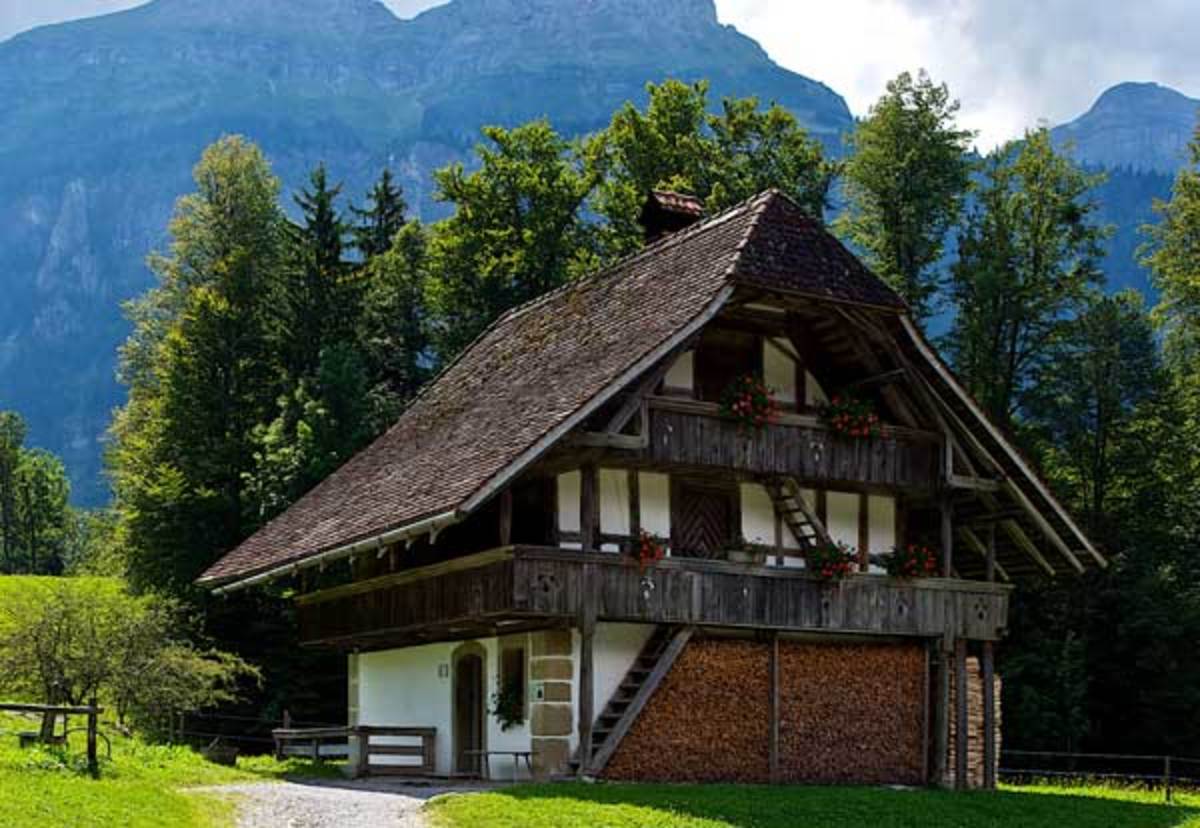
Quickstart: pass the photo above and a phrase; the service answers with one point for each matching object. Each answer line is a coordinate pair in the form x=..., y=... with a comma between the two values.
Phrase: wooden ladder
x=800, y=518
x=653, y=663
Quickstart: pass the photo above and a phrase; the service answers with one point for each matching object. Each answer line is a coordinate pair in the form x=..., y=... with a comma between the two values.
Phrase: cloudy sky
x=1013, y=63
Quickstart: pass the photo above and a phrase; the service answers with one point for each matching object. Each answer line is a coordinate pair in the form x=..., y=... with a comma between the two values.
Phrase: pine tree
x=200, y=372
x=382, y=218
x=321, y=301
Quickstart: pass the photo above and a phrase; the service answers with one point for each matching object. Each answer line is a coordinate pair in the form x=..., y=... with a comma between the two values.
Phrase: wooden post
x=587, y=629
x=960, y=715
x=990, y=569
x=364, y=750
x=947, y=508
x=864, y=532
x=988, y=670
x=506, y=503
x=926, y=702
x=589, y=503
x=92, y=723
x=635, y=508
x=1167, y=792
x=773, y=739
x=941, y=717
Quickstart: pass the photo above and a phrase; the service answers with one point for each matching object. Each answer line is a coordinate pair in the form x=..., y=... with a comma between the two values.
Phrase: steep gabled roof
x=542, y=368
x=537, y=371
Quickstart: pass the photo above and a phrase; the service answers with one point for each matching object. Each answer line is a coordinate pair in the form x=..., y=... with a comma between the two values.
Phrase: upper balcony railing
x=512, y=588
x=692, y=433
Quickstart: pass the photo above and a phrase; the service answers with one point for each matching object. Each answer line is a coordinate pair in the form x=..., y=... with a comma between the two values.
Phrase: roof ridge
x=764, y=199
x=653, y=247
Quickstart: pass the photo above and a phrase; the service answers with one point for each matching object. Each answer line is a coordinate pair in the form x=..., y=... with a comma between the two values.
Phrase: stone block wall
x=551, y=714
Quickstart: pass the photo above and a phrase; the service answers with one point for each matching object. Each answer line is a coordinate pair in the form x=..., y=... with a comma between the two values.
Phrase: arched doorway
x=469, y=718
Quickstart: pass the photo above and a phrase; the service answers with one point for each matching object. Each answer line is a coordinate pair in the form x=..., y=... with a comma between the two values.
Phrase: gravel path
x=326, y=804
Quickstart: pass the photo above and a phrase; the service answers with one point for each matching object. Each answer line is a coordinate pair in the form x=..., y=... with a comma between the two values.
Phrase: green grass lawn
x=729, y=806
x=142, y=785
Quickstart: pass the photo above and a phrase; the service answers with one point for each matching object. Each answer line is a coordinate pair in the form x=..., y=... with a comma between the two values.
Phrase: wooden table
x=517, y=756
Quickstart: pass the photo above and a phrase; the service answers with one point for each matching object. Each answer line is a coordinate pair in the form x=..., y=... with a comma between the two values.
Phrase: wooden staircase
x=800, y=519
x=653, y=663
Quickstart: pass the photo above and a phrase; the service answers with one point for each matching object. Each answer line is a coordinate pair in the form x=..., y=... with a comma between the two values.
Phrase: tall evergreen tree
x=200, y=372
x=1028, y=253
x=12, y=438
x=906, y=177
x=381, y=219
x=320, y=297
x=395, y=338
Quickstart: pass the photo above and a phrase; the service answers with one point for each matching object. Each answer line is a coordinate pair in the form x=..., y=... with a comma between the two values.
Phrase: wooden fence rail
x=49, y=712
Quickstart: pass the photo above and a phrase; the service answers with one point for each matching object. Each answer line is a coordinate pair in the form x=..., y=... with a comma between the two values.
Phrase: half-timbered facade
x=480, y=563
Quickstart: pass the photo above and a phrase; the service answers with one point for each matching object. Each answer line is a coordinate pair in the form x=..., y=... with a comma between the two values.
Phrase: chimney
x=665, y=212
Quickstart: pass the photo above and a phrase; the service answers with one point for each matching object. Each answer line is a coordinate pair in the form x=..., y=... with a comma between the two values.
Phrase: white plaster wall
x=614, y=505
x=412, y=687
x=570, y=485
x=779, y=369
x=614, y=649
x=881, y=524
x=758, y=514
x=654, y=494
x=841, y=509
x=814, y=394
x=680, y=377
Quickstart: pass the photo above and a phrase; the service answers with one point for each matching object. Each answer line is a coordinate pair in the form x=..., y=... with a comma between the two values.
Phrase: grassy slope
x=722, y=806
x=140, y=786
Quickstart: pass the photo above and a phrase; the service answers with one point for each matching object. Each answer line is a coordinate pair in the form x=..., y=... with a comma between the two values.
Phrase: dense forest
x=271, y=350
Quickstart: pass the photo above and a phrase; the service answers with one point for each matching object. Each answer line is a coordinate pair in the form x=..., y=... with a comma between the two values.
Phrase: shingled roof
x=541, y=369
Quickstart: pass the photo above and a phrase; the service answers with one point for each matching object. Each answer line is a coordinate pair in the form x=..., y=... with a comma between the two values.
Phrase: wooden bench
x=517, y=756
x=316, y=743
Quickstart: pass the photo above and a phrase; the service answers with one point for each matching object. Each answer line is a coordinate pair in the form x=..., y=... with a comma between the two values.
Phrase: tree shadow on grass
x=746, y=806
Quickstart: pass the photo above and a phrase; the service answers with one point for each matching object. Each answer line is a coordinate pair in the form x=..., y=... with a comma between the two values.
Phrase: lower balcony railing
x=524, y=587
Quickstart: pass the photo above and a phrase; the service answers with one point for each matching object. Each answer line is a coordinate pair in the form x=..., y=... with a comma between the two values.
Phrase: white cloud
x=1012, y=64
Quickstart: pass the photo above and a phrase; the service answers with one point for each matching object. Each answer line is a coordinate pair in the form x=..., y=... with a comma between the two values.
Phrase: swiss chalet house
x=596, y=538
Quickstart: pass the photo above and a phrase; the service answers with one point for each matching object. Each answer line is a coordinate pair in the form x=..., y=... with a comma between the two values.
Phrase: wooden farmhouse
x=591, y=541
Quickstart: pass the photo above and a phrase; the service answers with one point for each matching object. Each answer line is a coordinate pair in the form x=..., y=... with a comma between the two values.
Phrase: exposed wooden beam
x=979, y=484
x=988, y=670
x=661, y=668
x=978, y=545
x=1014, y=531
x=875, y=380
x=1044, y=525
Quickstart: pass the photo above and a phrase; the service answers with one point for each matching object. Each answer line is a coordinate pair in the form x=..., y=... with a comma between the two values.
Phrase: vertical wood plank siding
x=541, y=583
x=810, y=453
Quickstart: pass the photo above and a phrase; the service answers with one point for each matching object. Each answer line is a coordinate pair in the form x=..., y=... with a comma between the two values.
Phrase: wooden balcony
x=514, y=588
x=690, y=433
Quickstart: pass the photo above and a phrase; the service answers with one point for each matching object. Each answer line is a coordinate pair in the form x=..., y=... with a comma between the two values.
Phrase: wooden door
x=703, y=520
x=469, y=711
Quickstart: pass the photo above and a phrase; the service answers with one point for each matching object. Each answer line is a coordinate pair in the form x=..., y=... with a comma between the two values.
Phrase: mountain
x=1142, y=127
x=1137, y=135
x=102, y=119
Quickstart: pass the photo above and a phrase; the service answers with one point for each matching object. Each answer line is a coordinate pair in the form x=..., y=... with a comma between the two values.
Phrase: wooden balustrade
x=526, y=587
x=689, y=433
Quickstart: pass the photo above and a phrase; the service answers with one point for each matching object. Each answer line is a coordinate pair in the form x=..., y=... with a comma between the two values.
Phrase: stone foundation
x=551, y=712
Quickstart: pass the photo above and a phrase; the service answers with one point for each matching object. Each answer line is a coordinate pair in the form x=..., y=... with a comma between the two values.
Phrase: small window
x=510, y=698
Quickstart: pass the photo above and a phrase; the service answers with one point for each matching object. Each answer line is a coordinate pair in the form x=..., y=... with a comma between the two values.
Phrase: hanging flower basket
x=750, y=402
x=912, y=561
x=832, y=562
x=648, y=550
x=851, y=417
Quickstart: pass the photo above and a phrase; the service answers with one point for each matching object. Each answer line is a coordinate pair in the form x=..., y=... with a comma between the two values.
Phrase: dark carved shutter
x=702, y=523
